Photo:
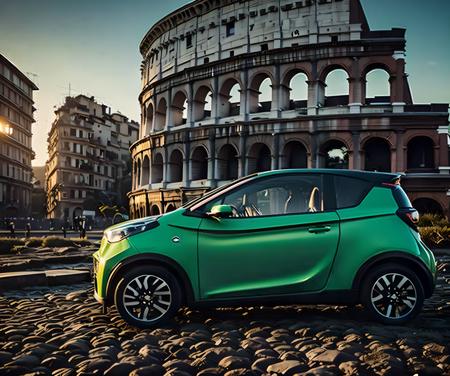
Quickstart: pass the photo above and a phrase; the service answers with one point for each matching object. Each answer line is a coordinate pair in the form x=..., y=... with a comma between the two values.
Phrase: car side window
x=275, y=195
x=350, y=191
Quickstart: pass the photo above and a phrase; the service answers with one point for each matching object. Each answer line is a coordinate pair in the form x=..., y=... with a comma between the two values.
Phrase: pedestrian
x=80, y=229
x=12, y=229
x=83, y=230
x=64, y=231
x=28, y=230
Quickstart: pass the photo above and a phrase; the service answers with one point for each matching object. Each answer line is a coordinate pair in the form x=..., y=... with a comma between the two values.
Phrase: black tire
x=147, y=296
x=392, y=294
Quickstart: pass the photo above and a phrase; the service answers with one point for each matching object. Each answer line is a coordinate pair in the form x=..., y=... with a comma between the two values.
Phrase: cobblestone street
x=61, y=331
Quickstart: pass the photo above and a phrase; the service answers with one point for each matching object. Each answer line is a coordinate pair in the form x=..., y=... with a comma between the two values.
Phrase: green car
x=278, y=237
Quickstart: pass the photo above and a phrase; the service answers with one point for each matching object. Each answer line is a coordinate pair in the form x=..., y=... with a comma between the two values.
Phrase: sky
x=92, y=46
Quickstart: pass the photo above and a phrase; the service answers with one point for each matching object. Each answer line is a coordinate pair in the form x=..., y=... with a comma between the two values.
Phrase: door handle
x=316, y=230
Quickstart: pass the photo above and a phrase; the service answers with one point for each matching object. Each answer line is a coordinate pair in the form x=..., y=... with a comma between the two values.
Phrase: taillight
x=410, y=216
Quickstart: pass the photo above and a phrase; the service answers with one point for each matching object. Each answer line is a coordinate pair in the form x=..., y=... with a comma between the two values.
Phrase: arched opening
x=135, y=174
x=377, y=155
x=199, y=163
x=229, y=98
x=378, y=88
x=154, y=210
x=420, y=153
x=227, y=163
x=176, y=166
x=260, y=93
x=148, y=119
x=160, y=115
x=295, y=155
x=145, y=171
x=337, y=88
x=139, y=172
x=334, y=154
x=427, y=206
x=298, y=96
x=179, y=109
x=202, y=104
x=157, y=168
x=259, y=158
x=170, y=208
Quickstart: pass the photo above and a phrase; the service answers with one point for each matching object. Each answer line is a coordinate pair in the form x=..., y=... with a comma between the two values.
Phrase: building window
x=264, y=47
x=230, y=28
x=189, y=41
x=73, y=132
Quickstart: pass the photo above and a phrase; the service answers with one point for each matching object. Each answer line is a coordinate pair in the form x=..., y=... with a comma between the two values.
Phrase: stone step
x=54, y=277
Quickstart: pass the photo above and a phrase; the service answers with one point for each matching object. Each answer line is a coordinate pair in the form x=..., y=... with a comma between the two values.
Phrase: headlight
x=117, y=234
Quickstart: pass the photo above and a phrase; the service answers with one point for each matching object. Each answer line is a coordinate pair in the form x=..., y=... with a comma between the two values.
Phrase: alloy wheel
x=393, y=295
x=147, y=298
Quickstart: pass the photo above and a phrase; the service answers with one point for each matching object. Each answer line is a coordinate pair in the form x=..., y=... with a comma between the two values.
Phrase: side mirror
x=221, y=211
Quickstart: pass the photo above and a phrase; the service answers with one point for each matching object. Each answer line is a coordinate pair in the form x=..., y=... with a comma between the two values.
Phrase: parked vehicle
x=278, y=237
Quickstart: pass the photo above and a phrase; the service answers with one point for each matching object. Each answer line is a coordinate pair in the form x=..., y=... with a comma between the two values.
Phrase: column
x=356, y=150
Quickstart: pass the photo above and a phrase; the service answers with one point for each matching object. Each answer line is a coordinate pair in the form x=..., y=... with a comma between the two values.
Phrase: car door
x=281, y=239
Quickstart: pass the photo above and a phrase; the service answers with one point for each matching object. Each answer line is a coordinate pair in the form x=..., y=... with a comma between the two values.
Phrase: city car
x=278, y=237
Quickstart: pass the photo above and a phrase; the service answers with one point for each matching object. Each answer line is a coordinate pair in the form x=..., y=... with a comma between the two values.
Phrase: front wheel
x=147, y=296
x=392, y=294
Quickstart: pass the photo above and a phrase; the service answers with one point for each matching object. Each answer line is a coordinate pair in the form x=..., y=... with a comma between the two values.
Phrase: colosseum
x=233, y=87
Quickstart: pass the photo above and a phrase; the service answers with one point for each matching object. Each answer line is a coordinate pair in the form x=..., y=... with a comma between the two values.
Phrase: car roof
x=374, y=177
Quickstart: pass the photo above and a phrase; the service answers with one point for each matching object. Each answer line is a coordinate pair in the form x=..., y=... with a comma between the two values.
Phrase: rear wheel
x=147, y=296
x=392, y=294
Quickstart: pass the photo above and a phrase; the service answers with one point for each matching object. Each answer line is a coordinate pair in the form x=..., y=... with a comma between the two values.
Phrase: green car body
x=317, y=255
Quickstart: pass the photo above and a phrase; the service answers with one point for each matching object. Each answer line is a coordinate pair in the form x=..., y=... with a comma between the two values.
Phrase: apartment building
x=89, y=159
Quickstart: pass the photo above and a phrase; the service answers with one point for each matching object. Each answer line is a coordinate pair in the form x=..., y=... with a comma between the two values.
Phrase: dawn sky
x=94, y=47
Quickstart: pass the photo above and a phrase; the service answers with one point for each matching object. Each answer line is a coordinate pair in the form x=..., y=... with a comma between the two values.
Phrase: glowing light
x=5, y=128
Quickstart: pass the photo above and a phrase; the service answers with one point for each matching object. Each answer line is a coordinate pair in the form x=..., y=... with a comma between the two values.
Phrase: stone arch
x=259, y=158
x=260, y=92
x=228, y=105
x=296, y=82
x=377, y=154
x=155, y=210
x=179, y=108
x=377, y=86
x=334, y=153
x=425, y=205
x=295, y=155
x=170, y=208
x=176, y=166
x=336, y=86
x=139, y=172
x=148, y=119
x=420, y=153
x=159, y=121
x=157, y=168
x=135, y=174
x=199, y=163
x=227, y=163
x=202, y=103
x=145, y=176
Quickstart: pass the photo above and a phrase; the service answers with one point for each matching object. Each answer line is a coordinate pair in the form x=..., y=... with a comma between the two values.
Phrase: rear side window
x=350, y=191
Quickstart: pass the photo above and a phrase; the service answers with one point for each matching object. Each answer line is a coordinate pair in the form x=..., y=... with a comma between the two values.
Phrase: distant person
x=64, y=231
x=28, y=230
x=12, y=229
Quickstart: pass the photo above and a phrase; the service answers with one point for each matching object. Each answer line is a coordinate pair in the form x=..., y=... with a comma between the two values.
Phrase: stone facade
x=89, y=158
x=204, y=121
x=16, y=118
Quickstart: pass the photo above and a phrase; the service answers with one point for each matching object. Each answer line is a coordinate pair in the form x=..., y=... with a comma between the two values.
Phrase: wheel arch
x=400, y=258
x=152, y=259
